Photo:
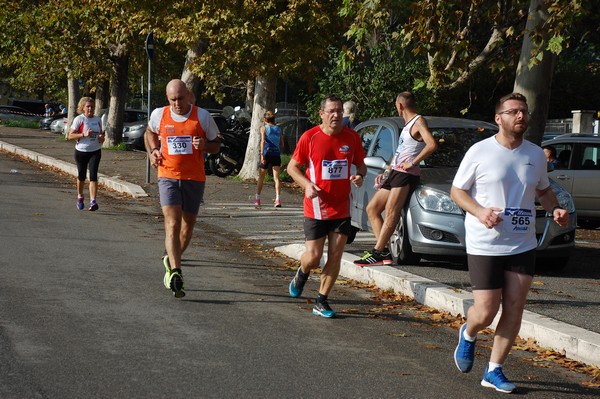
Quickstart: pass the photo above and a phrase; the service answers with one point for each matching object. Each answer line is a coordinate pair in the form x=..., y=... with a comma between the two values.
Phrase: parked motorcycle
x=234, y=140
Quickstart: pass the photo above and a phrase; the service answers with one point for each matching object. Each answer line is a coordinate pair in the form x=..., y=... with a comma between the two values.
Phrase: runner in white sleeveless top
x=416, y=144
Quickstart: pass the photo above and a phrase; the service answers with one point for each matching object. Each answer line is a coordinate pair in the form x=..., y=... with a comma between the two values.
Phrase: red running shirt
x=328, y=160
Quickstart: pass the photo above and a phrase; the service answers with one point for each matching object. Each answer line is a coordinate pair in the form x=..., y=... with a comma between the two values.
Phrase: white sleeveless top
x=408, y=149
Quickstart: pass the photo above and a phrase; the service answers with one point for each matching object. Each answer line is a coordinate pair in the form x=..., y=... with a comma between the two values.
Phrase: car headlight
x=436, y=201
x=564, y=198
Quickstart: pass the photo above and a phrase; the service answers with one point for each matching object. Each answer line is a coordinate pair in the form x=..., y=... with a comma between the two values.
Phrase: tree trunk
x=264, y=99
x=102, y=95
x=118, y=95
x=249, y=94
x=534, y=82
x=74, y=95
x=191, y=80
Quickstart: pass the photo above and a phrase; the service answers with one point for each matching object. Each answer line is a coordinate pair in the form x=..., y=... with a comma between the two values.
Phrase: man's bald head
x=179, y=96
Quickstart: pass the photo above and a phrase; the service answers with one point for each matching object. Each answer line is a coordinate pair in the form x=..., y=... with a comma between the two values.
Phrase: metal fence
x=559, y=125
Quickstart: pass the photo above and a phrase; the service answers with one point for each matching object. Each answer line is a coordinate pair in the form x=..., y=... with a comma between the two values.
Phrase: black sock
x=303, y=276
x=321, y=298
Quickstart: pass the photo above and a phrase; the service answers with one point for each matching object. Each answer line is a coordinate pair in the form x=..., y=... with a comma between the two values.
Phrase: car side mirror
x=376, y=162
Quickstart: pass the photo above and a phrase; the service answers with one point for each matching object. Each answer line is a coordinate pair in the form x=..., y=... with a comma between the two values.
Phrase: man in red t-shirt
x=328, y=151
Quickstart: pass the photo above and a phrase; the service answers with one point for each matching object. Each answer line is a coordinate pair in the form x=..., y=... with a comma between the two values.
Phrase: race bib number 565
x=179, y=145
x=517, y=220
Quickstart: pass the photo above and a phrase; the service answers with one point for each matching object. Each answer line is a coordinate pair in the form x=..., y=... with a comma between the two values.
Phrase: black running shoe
x=176, y=283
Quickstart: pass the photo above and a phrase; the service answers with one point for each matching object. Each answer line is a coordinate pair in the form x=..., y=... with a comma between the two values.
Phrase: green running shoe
x=167, y=278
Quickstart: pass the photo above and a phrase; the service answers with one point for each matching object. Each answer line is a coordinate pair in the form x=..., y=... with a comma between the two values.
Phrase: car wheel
x=588, y=224
x=400, y=245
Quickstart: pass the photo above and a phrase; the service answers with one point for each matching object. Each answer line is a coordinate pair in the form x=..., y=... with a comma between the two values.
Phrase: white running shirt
x=496, y=176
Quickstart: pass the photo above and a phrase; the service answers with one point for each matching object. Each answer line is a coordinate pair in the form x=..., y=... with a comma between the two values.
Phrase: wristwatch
x=556, y=207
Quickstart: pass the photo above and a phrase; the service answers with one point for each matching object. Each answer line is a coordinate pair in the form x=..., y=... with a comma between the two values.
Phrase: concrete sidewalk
x=47, y=149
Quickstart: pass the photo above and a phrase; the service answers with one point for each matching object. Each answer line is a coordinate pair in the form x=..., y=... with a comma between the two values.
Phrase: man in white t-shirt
x=496, y=184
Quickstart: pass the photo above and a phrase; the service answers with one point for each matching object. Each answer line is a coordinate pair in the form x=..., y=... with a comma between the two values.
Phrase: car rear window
x=453, y=143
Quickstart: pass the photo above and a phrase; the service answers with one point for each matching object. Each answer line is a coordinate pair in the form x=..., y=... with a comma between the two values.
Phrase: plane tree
x=459, y=39
x=255, y=40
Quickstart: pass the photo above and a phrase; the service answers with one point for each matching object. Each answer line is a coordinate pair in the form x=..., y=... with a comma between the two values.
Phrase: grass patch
x=20, y=123
x=117, y=147
x=283, y=175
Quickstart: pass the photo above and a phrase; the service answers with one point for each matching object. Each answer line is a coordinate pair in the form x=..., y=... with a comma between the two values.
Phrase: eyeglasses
x=334, y=111
x=515, y=112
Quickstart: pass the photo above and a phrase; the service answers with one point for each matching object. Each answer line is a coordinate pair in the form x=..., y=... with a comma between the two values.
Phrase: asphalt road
x=83, y=313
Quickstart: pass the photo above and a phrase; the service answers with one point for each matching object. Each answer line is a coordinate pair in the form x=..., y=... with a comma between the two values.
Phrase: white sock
x=468, y=337
x=493, y=366
x=257, y=196
x=276, y=197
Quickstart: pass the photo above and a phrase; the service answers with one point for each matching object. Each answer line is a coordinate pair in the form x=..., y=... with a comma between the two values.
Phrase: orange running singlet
x=181, y=160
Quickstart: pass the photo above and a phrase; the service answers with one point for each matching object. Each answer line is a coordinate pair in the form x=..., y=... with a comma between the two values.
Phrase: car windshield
x=453, y=143
x=133, y=116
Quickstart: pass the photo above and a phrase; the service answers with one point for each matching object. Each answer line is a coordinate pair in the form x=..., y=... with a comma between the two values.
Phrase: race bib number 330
x=179, y=145
x=334, y=170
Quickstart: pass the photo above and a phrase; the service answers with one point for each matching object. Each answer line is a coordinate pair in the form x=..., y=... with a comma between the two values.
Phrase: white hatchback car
x=431, y=223
x=578, y=172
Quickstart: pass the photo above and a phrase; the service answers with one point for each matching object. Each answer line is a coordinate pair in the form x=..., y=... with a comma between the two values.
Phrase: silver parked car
x=135, y=122
x=134, y=127
x=578, y=172
x=431, y=223
x=59, y=126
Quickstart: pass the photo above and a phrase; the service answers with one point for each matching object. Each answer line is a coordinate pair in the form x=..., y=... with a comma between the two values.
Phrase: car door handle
x=562, y=177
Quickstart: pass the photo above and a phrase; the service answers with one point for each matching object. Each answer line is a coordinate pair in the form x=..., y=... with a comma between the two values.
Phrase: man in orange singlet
x=177, y=137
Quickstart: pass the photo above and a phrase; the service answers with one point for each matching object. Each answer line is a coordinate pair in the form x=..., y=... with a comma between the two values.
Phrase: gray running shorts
x=187, y=193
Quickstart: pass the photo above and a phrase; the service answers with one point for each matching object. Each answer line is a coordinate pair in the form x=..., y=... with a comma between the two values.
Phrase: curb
x=114, y=183
x=571, y=341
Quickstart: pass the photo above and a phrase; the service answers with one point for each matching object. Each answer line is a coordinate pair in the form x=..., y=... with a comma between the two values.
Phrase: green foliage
x=118, y=147
x=373, y=82
x=260, y=38
x=20, y=123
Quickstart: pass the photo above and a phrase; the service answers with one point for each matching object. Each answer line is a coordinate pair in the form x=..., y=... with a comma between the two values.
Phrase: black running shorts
x=270, y=161
x=315, y=228
x=400, y=179
x=487, y=272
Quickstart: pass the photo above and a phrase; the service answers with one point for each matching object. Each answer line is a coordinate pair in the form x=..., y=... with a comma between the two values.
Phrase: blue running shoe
x=464, y=354
x=297, y=285
x=80, y=203
x=322, y=309
x=167, y=277
x=496, y=379
x=176, y=283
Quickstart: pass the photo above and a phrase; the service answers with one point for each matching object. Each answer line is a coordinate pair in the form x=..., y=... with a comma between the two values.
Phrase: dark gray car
x=431, y=223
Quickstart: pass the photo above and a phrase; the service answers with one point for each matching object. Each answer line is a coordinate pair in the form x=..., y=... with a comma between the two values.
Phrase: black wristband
x=152, y=150
x=557, y=207
x=361, y=175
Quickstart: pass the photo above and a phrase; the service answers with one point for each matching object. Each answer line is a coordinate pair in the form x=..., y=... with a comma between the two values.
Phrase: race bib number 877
x=334, y=170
